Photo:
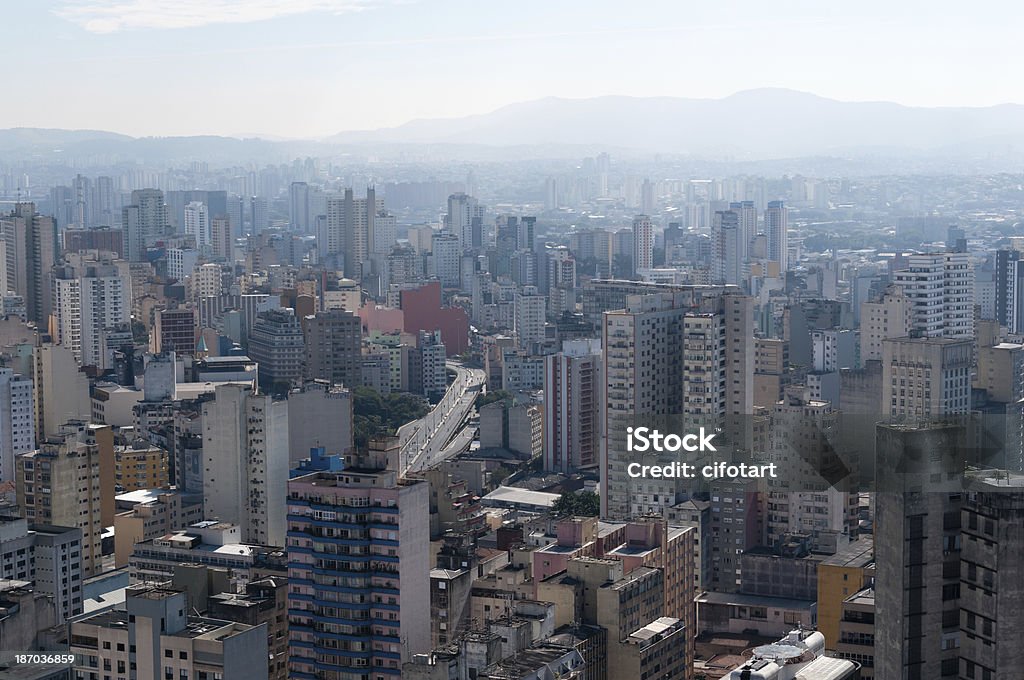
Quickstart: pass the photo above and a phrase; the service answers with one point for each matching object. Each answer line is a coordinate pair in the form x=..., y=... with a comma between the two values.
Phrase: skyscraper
x=298, y=207
x=376, y=593
x=197, y=223
x=30, y=250
x=346, y=240
x=143, y=221
x=727, y=243
x=92, y=293
x=462, y=209
x=776, y=228
x=643, y=243
x=333, y=347
x=245, y=451
x=573, y=407
x=17, y=420
x=940, y=290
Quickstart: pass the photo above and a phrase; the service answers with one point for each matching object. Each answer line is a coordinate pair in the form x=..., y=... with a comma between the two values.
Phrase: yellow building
x=140, y=465
x=840, y=576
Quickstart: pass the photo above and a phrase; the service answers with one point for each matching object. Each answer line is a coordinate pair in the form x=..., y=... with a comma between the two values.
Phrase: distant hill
x=765, y=123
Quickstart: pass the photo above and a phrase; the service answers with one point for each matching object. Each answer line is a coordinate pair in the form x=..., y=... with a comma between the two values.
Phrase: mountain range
x=750, y=125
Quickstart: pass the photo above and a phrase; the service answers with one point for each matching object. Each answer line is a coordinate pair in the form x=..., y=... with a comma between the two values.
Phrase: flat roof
x=511, y=494
x=859, y=553
x=753, y=600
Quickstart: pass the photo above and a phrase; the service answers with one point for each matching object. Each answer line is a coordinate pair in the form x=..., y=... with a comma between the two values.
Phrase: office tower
x=886, y=319
x=918, y=555
x=181, y=262
x=68, y=481
x=1009, y=289
x=381, y=584
x=259, y=218
x=802, y=502
x=462, y=209
x=30, y=250
x=245, y=449
x=96, y=238
x=144, y=221
x=776, y=229
x=446, y=257
x=221, y=240
x=17, y=420
x=277, y=345
x=530, y=317
x=92, y=293
x=940, y=291
x=643, y=243
x=348, y=231
x=645, y=375
x=174, y=330
x=319, y=415
x=61, y=390
x=573, y=407
x=156, y=635
x=103, y=203
x=46, y=556
x=333, y=347
x=197, y=223
x=991, y=576
x=924, y=377
x=727, y=241
x=298, y=208
x=747, y=226
x=647, y=197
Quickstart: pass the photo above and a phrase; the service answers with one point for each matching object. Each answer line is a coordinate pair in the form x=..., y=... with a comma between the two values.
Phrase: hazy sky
x=302, y=68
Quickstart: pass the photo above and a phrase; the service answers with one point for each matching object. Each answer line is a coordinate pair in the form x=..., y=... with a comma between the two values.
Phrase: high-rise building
x=747, y=212
x=643, y=243
x=991, y=575
x=259, y=218
x=197, y=223
x=377, y=592
x=277, y=345
x=62, y=482
x=885, y=319
x=573, y=407
x=144, y=221
x=96, y=238
x=462, y=209
x=174, y=330
x=319, y=415
x=445, y=254
x=924, y=377
x=245, y=451
x=728, y=257
x=940, y=291
x=61, y=390
x=221, y=238
x=298, y=208
x=17, y=420
x=92, y=293
x=530, y=316
x=30, y=251
x=645, y=375
x=157, y=636
x=333, y=347
x=776, y=229
x=47, y=556
x=348, y=231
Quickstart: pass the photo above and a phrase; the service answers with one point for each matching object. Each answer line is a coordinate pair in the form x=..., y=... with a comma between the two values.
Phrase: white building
x=462, y=209
x=530, y=316
x=92, y=292
x=181, y=262
x=446, y=258
x=17, y=420
x=727, y=257
x=197, y=223
x=940, y=289
x=643, y=243
x=245, y=447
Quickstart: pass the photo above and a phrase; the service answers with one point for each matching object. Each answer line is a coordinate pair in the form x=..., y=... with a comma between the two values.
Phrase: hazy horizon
x=313, y=68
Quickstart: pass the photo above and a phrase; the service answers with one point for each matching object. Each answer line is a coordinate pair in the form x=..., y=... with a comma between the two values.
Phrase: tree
x=579, y=504
x=377, y=415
